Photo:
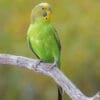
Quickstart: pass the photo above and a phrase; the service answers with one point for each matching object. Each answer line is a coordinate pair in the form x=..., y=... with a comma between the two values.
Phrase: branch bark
x=45, y=68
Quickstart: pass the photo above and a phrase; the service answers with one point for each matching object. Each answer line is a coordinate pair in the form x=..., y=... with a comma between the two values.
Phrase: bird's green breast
x=41, y=36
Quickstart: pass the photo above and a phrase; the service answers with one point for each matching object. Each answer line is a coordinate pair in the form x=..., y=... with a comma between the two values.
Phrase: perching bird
x=42, y=37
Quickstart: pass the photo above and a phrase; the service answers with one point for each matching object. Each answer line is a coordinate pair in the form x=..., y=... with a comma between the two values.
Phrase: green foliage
x=78, y=24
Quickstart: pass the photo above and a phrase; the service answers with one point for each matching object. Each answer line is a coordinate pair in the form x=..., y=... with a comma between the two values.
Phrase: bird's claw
x=51, y=66
x=38, y=62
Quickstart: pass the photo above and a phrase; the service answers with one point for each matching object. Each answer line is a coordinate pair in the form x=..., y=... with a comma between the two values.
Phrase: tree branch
x=44, y=68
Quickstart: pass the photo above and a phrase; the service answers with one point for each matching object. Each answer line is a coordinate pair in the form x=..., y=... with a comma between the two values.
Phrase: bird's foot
x=37, y=64
x=51, y=66
x=54, y=64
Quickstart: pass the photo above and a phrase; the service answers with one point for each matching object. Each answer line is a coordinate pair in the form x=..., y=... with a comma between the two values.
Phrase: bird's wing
x=57, y=39
x=32, y=48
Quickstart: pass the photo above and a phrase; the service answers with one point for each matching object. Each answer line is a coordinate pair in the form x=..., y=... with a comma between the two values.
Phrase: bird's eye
x=42, y=8
x=50, y=9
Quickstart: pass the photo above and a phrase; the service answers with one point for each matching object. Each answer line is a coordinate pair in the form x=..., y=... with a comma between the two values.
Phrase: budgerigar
x=42, y=37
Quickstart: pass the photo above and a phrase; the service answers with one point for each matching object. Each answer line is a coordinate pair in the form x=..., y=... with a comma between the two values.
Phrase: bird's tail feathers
x=60, y=92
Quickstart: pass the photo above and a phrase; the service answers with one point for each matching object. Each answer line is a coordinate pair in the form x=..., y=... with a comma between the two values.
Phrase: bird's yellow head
x=41, y=11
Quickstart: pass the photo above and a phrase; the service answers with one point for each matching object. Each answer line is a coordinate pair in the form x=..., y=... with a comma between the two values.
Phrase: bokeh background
x=78, y=25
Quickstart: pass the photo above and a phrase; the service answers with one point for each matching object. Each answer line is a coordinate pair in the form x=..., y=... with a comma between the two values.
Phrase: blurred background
x=78, y=25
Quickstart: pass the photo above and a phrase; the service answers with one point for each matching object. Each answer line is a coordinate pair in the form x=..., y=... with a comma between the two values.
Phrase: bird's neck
x=40, y=20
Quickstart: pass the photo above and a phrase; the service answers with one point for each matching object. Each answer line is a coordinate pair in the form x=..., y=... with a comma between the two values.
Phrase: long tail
x=59, y=93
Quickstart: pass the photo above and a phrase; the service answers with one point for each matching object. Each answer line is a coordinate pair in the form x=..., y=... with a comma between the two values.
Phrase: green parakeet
x=42, y=37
